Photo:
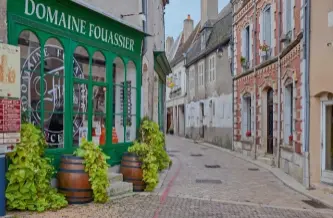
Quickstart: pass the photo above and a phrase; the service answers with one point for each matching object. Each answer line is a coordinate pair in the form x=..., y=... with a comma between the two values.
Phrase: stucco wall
x=3, y=21
x=321, y=77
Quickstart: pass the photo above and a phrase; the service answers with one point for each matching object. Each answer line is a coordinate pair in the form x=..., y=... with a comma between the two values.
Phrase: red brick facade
x=263, y=75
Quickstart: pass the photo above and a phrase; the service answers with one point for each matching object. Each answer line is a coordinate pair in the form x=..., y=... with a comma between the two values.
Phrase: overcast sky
x=177, y=10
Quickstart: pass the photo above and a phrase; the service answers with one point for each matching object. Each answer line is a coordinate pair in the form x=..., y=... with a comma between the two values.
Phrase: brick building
x=268, y=69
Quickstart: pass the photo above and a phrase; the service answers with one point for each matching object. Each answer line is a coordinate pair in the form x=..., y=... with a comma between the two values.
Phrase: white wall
x=221, y=119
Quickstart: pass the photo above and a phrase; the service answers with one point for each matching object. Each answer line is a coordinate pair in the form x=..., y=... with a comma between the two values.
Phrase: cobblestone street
x=236, y=189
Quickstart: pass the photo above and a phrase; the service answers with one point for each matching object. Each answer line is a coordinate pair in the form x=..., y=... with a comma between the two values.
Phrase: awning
x=161, y=65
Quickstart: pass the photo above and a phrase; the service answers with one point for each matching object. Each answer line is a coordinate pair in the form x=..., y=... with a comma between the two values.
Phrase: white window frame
x=246, y=113
x=212, y=68
x=201, y=74
x=288, y=24
x=288, y=111
x=192, y=80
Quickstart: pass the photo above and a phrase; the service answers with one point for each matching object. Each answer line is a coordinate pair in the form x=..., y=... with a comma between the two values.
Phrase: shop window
x=52, y=93
x=118, y=100
x=30, y=77
x=80, y=95
x=246, y=114
x=288, y=112
x=99, y=102
x=131, y=102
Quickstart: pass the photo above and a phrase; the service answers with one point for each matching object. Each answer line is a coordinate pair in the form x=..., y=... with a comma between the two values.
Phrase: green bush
x=150, y=149
x=97, y=168
x=29, y=175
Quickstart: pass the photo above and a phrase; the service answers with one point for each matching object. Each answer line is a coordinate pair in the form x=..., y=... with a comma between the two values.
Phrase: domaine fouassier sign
x=81, y=26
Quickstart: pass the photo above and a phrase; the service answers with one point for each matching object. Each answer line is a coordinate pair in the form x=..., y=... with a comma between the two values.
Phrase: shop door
x=270, y=121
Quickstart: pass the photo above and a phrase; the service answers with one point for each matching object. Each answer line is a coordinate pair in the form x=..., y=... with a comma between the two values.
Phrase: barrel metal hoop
x=72, y=163
x=127, y=166
x=128, y=154
x=75, y=190
x=133, y=161
x=71, y=157
x=72, y=171
x=131, y=179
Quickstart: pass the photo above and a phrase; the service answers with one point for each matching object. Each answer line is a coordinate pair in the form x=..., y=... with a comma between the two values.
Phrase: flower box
x=248, y=134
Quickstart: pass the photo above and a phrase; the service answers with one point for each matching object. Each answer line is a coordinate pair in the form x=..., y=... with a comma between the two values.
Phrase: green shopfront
x=80, y=75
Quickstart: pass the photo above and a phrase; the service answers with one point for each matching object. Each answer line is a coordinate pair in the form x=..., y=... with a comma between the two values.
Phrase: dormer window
x=203, y=40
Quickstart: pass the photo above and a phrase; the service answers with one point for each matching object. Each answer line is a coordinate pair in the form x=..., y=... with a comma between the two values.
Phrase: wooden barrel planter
x=73, y=181
x=130, y=167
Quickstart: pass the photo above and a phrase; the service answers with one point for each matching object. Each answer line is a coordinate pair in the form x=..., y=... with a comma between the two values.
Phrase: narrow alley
x=205, y=182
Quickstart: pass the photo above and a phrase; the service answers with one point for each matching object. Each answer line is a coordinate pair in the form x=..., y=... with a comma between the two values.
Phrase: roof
x=183, y=48
x=220, y=35
x=174, y=47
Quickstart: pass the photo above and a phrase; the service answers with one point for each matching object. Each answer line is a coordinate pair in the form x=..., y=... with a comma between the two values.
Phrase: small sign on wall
x=10, y=94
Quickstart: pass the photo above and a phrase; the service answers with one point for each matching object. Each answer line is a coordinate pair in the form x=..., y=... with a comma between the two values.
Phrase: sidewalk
x=317, y=194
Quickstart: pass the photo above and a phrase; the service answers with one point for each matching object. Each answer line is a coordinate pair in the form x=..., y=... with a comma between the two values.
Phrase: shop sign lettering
x=47, y=14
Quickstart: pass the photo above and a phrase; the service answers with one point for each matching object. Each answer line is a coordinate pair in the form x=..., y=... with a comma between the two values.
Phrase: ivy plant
x=97, y=169
x=29, y=175
x=150, y=148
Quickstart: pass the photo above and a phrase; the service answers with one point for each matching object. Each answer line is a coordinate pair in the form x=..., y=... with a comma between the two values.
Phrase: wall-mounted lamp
x=219, y=52
x=141, y=14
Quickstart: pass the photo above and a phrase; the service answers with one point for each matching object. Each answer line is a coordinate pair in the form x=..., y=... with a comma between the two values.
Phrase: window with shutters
x=192, y=81
x=201, y=69
x=267, y=30
x=288, y=16
x=246, y=113
x=288, y=112
x=212, y=69
x=246, y=49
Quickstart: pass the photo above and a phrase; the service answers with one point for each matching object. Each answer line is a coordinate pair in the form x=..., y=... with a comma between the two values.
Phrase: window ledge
x=287, y=147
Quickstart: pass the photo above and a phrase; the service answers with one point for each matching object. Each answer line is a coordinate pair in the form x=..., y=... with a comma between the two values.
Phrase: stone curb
x=284, y=178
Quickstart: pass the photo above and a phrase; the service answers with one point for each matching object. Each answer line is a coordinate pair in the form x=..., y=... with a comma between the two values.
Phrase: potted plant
x=248, y=133
x=264, y=50
x=29, y=175
x=244, y=62
x=290, y=139
x=150, y=149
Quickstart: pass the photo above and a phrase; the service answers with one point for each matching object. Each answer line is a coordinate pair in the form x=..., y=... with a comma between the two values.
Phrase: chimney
x=209, y=10
x=168, y=44
x=188, y=27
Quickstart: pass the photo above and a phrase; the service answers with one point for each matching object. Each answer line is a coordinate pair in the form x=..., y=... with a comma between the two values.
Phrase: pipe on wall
x=306, y=174
x=255, y=78
x=232, y=42
x=279, y=83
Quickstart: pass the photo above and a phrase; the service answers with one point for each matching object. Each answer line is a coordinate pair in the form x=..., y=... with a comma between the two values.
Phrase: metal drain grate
x=253, y=169
x=212, y=166
x=196, y=155
x=315, y=204
x=208, y=181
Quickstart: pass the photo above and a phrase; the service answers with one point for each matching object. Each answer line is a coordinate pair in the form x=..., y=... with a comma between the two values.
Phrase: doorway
x=270, y=121
x=327, y=143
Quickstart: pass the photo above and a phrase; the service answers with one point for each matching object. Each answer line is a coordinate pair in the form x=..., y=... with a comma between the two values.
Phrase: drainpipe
x=255, y=78
x=232, y=42
x=306, y=176
x=279, y=83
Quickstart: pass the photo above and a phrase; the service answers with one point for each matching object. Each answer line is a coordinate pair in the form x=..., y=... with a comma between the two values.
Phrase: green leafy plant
x=29, y=175
x=97, y=169
x=150, y=149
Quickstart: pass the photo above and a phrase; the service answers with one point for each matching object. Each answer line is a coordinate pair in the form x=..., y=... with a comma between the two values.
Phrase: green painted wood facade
x=72, y=26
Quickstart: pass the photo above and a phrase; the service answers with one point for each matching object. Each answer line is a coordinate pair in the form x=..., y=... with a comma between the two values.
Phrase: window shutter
x=268, y=26
x=243, y=42
x=250, y=44
x=244, y=116
x=286, y=113
x=261, y=24
x=214, y=69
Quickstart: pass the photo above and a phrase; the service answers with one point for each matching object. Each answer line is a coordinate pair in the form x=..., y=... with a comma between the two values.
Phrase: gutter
x=233, y=81
x=306, y=121
x=255, y=80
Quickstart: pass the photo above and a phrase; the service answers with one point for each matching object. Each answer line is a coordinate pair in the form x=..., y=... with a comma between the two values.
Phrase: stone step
x=115, y=177
x=120, y=188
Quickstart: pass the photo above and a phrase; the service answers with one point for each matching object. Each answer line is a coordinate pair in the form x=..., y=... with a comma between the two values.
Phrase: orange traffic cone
x=114, y=136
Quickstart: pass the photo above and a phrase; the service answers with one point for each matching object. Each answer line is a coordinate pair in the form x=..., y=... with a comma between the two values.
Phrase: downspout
x=306, y=176
x=279, y=83
x=233, y=81
x=255, y=79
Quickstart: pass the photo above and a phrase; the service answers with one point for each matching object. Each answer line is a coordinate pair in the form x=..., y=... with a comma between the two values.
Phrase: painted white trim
x=251, y=45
